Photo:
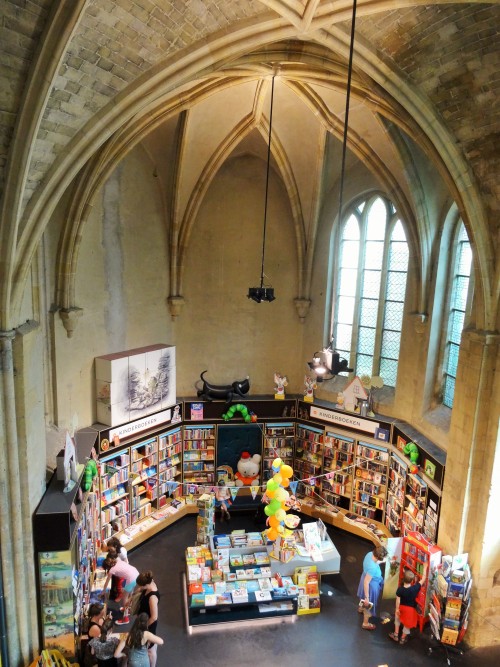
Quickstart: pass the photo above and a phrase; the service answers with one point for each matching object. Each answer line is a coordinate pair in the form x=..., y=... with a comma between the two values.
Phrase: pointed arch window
x=370, y=288
x=458, y=292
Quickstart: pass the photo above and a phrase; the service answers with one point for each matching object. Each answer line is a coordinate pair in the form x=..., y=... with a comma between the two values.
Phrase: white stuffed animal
x=248, y=470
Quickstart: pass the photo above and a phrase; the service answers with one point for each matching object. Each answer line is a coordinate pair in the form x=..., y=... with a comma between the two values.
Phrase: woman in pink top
x=118, y=568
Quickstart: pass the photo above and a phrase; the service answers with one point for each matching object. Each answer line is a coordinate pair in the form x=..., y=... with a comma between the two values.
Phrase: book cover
x=265, y=584
x=262, y=596
x=224, y=598
x=198, y=600
x=210, y=600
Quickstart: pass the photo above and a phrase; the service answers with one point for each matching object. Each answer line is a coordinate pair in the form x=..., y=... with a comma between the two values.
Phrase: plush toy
x=248, y=470
x=89, y=473
x=411, y=450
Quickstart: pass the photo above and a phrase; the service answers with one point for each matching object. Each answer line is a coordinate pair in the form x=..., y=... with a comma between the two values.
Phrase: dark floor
x=332, y=638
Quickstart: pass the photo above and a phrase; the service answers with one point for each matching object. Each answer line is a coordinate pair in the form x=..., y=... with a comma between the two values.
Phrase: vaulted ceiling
x=84, y=81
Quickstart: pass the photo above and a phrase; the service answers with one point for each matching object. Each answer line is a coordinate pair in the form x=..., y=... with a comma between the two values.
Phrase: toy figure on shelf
x=248, y=470
x=310, y=385
x=281, y=382
x=411, y=450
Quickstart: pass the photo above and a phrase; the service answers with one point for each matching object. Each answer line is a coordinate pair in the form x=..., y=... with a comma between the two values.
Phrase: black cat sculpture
x=215, y=392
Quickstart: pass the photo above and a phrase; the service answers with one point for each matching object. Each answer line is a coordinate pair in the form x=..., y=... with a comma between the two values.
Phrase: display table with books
x=232, y=583
x=329, y=562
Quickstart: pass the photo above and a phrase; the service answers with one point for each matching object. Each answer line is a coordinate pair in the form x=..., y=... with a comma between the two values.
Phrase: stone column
x=469, y=510
x=17, y=556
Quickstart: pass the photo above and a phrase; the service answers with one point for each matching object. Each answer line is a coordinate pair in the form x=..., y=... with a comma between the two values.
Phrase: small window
x=459, y=287
x=367, y=313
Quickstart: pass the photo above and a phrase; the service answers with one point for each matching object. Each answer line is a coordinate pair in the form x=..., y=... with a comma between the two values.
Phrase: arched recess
x=152, y=89
x=181, y=225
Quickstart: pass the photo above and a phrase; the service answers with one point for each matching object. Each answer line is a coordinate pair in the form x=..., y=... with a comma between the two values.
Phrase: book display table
x=329, y=565
x=233, y=583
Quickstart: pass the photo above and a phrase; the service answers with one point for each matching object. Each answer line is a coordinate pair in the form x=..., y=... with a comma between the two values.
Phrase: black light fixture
x=327, y=364
x=259, y=294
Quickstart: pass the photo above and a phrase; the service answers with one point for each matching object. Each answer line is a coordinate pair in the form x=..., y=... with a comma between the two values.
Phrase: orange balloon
x=285, y=482
x=271, y=494
x=286, y=471
x=272, y=533
x=273, y=522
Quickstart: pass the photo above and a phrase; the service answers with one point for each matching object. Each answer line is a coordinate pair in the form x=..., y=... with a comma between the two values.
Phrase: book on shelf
x=198, y=600
x=265, y=584
x=224, y=598
x=240, y=595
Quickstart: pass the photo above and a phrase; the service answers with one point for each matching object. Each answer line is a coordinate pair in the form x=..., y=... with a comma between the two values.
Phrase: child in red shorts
x=406, y=606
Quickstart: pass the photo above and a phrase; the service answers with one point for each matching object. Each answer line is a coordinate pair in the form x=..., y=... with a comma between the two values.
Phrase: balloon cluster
x=277, y=508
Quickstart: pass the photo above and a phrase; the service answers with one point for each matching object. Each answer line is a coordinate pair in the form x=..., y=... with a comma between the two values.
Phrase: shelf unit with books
x=420, y=555
x=169, y=464
x=415, y=501
x=143, y=478
x=308, y=461
x=338, y=460
x=199, y=454
x=279, y=440
x=114, y=492
x=398, y=470
x=370, y=481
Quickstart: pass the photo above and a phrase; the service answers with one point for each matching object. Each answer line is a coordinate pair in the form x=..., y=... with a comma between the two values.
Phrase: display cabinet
x=420, y=555
x=199, y=455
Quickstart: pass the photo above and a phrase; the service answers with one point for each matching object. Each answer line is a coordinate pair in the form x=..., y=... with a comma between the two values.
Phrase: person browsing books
x=104, y=646
x=223, y=499
x=371, y=584
x=406, y=605
x=122, y=570
x=135, y=646
x=148, y=604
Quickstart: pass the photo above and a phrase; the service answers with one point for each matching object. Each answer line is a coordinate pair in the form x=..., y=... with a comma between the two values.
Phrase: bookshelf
x=309, y=453
x=417, y=553
x=398, y=470
x=415, y=502
x=279, y=440
x=370, y=480
x=199, y=454
x=113, y=473
x=169, y=464
x=338, y=459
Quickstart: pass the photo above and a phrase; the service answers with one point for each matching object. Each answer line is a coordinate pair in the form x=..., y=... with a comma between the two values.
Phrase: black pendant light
x=259, y=294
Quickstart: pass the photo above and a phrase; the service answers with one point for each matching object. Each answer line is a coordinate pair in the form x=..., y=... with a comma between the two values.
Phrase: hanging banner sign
x=254, y=491
x=234, y=491
x=151, y=421
x=344, y=419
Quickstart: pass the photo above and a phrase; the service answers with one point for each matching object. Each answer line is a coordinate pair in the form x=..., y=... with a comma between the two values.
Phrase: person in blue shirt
x=371, y=584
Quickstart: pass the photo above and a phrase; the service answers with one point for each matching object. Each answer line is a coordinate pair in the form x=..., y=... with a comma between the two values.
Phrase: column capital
x=70, y=317
x=302, y=306
x=175, y=305
x=481, y=336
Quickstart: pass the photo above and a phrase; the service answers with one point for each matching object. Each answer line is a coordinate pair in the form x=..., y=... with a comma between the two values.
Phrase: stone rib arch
x=124, y=108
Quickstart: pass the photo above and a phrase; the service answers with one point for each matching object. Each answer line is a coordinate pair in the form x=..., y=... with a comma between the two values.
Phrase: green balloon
x=272, y=485
x=274, y=505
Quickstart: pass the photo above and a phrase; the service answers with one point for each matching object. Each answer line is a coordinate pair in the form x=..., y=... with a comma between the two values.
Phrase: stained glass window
x=459, y=286
x=370, y=289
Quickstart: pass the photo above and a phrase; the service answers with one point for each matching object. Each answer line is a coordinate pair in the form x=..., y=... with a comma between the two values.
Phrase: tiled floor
x=333, y=638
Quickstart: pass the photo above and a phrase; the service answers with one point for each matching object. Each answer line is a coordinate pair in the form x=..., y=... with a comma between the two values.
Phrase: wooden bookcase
x=415, y=502
x=398, y=471
x=338, y=466
x=169, y=464
x=370, y=481
x=279, y=441
x=308, y=461
x=199, y=454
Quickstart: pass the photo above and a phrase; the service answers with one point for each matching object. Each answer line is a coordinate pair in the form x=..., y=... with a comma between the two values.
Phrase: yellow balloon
x=280, y=515
x=282, y=495
x=278, y=478
x=281, y=530
x=277, y=463
x=286, y=471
